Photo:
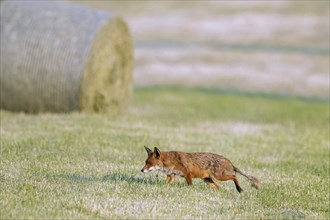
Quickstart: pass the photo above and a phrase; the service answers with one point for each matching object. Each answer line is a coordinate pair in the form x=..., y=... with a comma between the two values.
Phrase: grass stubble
x=88, y=166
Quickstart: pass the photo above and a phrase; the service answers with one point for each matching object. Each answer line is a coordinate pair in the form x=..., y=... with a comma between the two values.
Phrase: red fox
x=207, y=166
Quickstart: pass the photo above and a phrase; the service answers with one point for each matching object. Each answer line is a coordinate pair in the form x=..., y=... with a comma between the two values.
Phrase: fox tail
x=254, y=181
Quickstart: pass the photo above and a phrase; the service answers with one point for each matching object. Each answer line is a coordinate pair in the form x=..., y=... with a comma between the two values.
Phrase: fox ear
x=148, y=150
x=157, y=152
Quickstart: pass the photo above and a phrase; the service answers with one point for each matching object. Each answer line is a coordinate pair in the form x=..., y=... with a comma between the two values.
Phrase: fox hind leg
x=238, y=187
x=233, y=178
x=211, y=183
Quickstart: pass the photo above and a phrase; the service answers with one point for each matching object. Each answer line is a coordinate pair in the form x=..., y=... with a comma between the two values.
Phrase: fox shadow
x=120, y=177
x=112, y=177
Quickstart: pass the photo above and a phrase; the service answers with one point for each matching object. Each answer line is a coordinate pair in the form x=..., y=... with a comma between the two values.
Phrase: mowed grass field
x=79, y=166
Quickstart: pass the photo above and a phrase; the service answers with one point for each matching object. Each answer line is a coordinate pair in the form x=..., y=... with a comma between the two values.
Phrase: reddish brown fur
x=207, y=166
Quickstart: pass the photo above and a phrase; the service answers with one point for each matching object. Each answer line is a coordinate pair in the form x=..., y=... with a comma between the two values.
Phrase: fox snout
x=147, y=170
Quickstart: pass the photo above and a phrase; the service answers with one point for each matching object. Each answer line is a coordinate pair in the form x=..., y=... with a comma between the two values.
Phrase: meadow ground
x=88, y=166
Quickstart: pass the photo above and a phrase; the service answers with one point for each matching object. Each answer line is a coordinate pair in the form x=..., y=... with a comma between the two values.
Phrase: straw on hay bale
x=61, y=57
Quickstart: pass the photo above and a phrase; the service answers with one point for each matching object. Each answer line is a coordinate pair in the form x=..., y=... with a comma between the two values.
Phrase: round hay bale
x=61, y=57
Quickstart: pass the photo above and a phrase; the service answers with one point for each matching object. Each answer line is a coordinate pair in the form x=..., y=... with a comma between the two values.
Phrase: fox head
x=153, y=161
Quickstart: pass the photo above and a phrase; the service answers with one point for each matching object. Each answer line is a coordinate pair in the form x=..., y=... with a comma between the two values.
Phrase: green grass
x=88, y=166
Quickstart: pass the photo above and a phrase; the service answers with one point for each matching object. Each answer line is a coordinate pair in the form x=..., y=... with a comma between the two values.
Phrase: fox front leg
x=169, y=179
x=188, y=179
